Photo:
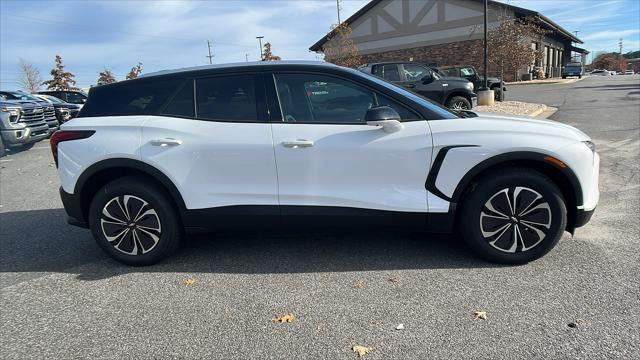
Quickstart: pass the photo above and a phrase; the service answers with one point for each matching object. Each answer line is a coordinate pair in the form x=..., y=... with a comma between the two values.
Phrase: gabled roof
x=518, y=10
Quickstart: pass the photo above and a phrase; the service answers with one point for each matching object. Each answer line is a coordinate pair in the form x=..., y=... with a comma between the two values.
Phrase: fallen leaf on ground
x=394, y=279
x=575, y=323
x=284, y=318
x=400, y=327
x=480, y=315
x=361, y=350
x=359, y=285
x=189, y=281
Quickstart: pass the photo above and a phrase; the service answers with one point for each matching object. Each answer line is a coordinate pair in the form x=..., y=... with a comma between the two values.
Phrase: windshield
x=14, y=95
x=573, y=68
x=441, y=112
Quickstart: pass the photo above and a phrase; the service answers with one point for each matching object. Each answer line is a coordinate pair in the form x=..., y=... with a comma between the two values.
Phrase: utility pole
x=246, y=57
x=338, y=8
x=486, y=10
x=260, y=40
x=210, y=55
x=620, y=45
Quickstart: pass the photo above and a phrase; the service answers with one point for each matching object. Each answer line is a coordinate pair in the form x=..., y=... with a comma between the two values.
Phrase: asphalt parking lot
x=63, y=298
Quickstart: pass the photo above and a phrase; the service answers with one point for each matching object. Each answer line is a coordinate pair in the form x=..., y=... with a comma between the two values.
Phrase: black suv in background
x=453, y=92
x=469, y=72
x=47, y=106
x=70, y=96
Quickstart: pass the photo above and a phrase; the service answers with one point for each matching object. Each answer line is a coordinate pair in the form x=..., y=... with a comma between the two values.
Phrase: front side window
x=416, y=72
x=227, y=98
x=312, y=98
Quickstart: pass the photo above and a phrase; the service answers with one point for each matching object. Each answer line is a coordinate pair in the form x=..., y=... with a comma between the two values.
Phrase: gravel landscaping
x=513, y=108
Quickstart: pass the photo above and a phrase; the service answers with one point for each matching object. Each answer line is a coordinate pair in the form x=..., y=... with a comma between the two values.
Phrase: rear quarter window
x=134, y=97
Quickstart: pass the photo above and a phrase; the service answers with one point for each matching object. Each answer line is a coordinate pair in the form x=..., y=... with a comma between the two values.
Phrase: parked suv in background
x=453, y=92
x=70, y=96
x=572, y=69
x=47, y=107
x=196, y=150
x=21, y=124
x=469, y=72
x=64, y=110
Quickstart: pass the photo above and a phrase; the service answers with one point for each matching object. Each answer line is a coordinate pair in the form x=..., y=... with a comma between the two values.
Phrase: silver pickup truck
x=21, y=123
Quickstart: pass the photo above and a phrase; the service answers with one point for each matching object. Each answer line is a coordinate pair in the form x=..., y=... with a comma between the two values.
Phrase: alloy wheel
x=515, y=219
x=130, y=224
x=459, y=105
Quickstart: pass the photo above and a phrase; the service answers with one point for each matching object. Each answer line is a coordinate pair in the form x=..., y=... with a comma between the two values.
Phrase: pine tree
x=267, y=55
x=60, y=79
x=134, y=72
x=106, y=77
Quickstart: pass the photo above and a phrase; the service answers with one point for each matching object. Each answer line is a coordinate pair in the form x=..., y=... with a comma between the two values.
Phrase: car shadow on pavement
x=633, y=86
x=41, y=241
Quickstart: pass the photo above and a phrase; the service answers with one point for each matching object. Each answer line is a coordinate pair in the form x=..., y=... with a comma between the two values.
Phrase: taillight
x=66, y=135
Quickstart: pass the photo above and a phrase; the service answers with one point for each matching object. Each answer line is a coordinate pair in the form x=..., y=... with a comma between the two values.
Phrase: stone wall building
x=447, y=32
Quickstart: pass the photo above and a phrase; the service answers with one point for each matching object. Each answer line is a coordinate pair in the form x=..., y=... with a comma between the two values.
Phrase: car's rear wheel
x=459, y=103
x=513, y=217
x=134, y=221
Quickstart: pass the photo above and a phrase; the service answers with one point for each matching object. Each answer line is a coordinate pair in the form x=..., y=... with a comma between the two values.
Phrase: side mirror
x=385, y=117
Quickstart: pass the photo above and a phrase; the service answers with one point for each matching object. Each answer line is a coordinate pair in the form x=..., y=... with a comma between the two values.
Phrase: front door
x=327, y=157
x=423, y=81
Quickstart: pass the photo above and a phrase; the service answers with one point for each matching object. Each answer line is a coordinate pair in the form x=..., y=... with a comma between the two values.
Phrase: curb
x=544, y=113
x=534, y=82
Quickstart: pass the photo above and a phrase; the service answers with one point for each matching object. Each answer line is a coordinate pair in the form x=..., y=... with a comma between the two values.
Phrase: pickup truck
x=47, y=106
x=469, y=72
x=453, y=92
x=21, y=124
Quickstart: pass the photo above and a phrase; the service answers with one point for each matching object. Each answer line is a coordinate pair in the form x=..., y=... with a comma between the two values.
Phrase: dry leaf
x=394, y=279
x=189, y=281
x=480, y=315
x=400, y=327
x=284, y=318
x=359, y=285
x=361, y=350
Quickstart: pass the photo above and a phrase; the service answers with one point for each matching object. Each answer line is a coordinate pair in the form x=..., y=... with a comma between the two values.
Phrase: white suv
x=289, y=143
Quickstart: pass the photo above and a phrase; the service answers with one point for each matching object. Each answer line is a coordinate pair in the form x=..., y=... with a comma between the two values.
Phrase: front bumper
x=474, y=101
x=26, y=135
x=73, y=207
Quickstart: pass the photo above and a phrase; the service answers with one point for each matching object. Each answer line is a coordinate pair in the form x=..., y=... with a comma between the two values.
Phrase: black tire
x=497, y=93
x=478, y=221
x=579, y=76
x=3, y=151
x=162, y=221
x=460, y=101
x=564, y=77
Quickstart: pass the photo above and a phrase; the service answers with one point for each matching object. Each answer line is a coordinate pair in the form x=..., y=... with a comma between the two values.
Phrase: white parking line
x=6, y=160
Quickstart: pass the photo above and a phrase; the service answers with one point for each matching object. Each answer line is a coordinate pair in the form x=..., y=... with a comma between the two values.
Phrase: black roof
x=518, y=10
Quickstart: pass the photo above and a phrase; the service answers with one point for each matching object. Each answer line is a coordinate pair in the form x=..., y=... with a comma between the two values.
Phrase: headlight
x=14, y=113
x=590, y=145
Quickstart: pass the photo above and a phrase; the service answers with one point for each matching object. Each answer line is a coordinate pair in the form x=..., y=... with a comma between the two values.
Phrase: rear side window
x=388, y=72
x=227, y=98
x=135, y=97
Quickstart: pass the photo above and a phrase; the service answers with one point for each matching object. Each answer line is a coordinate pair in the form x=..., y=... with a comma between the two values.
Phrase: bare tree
x=134, y=72
x=340, y=48
x=60, y=79
x=609, y=61
x=30, y=78
x=106, y=77
x=267, y=55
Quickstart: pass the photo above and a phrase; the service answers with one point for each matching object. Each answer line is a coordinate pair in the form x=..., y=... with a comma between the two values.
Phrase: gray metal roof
x=238, y=65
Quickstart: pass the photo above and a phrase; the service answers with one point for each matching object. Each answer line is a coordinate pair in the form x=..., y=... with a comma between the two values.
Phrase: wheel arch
x=105, y=171
x=564, y=178
x=456, y=92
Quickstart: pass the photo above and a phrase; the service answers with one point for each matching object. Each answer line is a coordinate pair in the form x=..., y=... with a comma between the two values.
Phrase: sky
x=117, y=34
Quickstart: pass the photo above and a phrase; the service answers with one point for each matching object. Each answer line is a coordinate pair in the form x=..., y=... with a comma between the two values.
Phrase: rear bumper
x=73, y=206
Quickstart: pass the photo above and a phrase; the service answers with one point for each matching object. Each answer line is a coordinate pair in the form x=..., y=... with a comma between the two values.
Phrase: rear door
x=218, y=149
x=329, y=159
x=423, y=81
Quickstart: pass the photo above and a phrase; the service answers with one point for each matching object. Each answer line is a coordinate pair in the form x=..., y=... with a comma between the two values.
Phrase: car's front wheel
x=134, y=221
x=459, y=103
x=514, y=216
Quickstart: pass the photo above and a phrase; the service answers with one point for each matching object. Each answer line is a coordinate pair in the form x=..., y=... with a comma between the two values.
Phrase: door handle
x=410, y=86
x=297, y=144
x=165, y=142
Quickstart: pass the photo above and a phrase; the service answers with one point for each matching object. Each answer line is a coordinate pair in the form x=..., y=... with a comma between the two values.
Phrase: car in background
x=21, y=124
x=601, y=73
x=47, y=106
x=453, y=92
x=64, y=111
x=629, y=72
x=470, y=73
x=69, y=96
x=573, y=69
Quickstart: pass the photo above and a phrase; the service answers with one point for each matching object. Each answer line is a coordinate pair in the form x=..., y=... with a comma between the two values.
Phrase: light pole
x=486, y=96
x=260, y=40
